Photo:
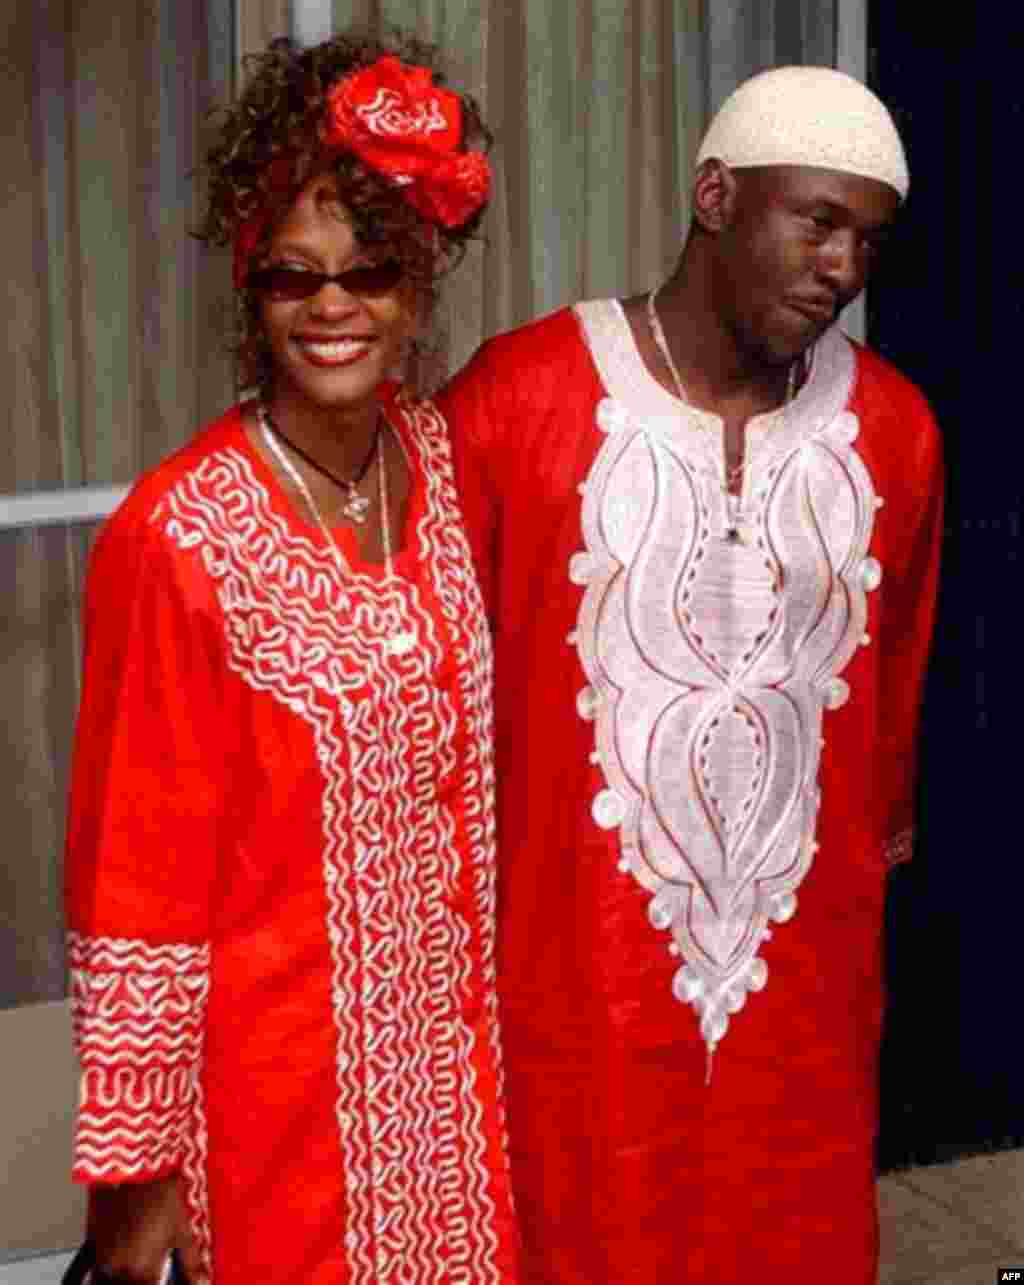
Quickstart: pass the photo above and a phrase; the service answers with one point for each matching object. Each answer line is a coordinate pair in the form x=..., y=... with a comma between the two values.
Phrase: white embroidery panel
x=710, y=663
x=138, y=1016
x=445, y=548
x=410, y=1121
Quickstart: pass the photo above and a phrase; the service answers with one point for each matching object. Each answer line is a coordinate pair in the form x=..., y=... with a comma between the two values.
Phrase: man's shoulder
x=896, y=418
x=532, y=370
x=881, y=384
x=555, y=338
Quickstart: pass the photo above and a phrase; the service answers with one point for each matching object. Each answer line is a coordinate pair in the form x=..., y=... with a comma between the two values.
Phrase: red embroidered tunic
x=692, y=732
x=280, y=878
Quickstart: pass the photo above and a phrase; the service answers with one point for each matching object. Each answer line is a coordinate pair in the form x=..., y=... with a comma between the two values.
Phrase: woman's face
x=330, y=351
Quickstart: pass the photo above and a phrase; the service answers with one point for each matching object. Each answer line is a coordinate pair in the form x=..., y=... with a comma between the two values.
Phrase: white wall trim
x=49, y=508
x=35, y=1270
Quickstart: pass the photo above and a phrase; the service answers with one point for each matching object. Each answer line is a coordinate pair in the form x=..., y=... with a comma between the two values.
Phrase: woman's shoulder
x=137, y=512
x=522, y=375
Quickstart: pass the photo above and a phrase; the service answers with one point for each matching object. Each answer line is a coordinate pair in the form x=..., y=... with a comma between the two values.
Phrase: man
x=711, y=638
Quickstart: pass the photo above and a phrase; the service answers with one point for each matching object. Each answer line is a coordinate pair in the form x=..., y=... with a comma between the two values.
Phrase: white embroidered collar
x=628, y=382
x=710, y=664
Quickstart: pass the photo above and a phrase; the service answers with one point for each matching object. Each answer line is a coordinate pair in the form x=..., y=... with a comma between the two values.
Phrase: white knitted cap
x=808, y=116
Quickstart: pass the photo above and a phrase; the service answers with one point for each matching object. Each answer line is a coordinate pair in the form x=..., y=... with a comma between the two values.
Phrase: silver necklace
x=735, y=523
x=399, y=640
x=355, y=505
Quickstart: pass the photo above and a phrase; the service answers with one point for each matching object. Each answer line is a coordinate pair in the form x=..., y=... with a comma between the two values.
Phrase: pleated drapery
x=117, y=320
x=598, y=107
x=113, y=356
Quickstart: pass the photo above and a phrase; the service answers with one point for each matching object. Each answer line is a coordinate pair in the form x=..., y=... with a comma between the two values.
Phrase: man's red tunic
x=705, y=770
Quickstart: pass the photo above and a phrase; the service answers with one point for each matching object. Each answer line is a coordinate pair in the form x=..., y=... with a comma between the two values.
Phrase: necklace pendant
x=355, y=508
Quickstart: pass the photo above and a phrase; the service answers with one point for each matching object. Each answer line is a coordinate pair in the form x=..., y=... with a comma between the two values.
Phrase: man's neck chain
x=731, y=477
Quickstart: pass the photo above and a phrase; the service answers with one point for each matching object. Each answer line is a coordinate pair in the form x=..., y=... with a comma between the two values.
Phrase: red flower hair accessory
x=406, y=128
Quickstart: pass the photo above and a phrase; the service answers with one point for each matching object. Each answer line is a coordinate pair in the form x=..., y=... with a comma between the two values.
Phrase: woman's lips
x=335, y=352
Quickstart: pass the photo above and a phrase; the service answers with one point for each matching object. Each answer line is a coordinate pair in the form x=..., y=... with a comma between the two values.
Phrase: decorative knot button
x=581, y=568
x=586, y=704
x=687, y=985
x=837, y=693
x=608, y=809
x=611, y=417
x=849, y=427
x=782, y=907
x=870, y=574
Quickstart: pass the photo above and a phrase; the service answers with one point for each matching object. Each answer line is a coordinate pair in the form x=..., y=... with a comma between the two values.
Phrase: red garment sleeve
x=909, y=597
x=141, y=846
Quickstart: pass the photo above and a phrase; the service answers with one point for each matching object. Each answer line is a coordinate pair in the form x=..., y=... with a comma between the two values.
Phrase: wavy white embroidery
x=138, y=1013
x=710, y=663
x=409, y=1117
x=386, y=116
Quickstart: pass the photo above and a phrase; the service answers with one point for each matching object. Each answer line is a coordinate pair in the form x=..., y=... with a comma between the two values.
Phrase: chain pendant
x=355, y=507
x=735, y=520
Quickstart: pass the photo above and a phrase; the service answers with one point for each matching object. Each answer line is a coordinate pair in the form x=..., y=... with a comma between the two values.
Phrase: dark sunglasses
x=301, y=283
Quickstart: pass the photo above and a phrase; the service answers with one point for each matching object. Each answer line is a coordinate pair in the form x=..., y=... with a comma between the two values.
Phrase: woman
x=280, y=853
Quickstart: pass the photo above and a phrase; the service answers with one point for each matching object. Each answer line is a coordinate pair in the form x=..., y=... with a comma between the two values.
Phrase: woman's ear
x=714, y=196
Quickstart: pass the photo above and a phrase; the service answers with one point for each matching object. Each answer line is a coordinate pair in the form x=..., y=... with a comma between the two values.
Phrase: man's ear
x=714, y=196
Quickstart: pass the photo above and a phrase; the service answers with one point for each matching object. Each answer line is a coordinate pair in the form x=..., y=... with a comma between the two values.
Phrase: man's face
x=796, y=247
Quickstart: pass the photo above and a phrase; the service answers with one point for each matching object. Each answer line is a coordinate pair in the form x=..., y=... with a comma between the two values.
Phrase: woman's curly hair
x=273, y=129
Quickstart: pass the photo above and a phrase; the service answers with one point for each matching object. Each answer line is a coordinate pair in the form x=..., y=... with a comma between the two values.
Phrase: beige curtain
x=597, y=106
x=113, y=357
x=259, y=21
x=747, y=36
x=115, y=318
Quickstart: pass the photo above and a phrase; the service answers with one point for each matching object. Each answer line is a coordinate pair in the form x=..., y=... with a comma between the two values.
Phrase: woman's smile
x=334, y=351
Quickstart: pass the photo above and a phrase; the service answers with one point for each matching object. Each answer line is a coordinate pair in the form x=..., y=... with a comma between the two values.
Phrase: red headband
x=406, y=129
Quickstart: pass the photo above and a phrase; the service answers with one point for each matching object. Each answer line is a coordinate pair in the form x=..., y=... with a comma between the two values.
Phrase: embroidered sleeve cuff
x=899, y=848
x=138, y=1014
